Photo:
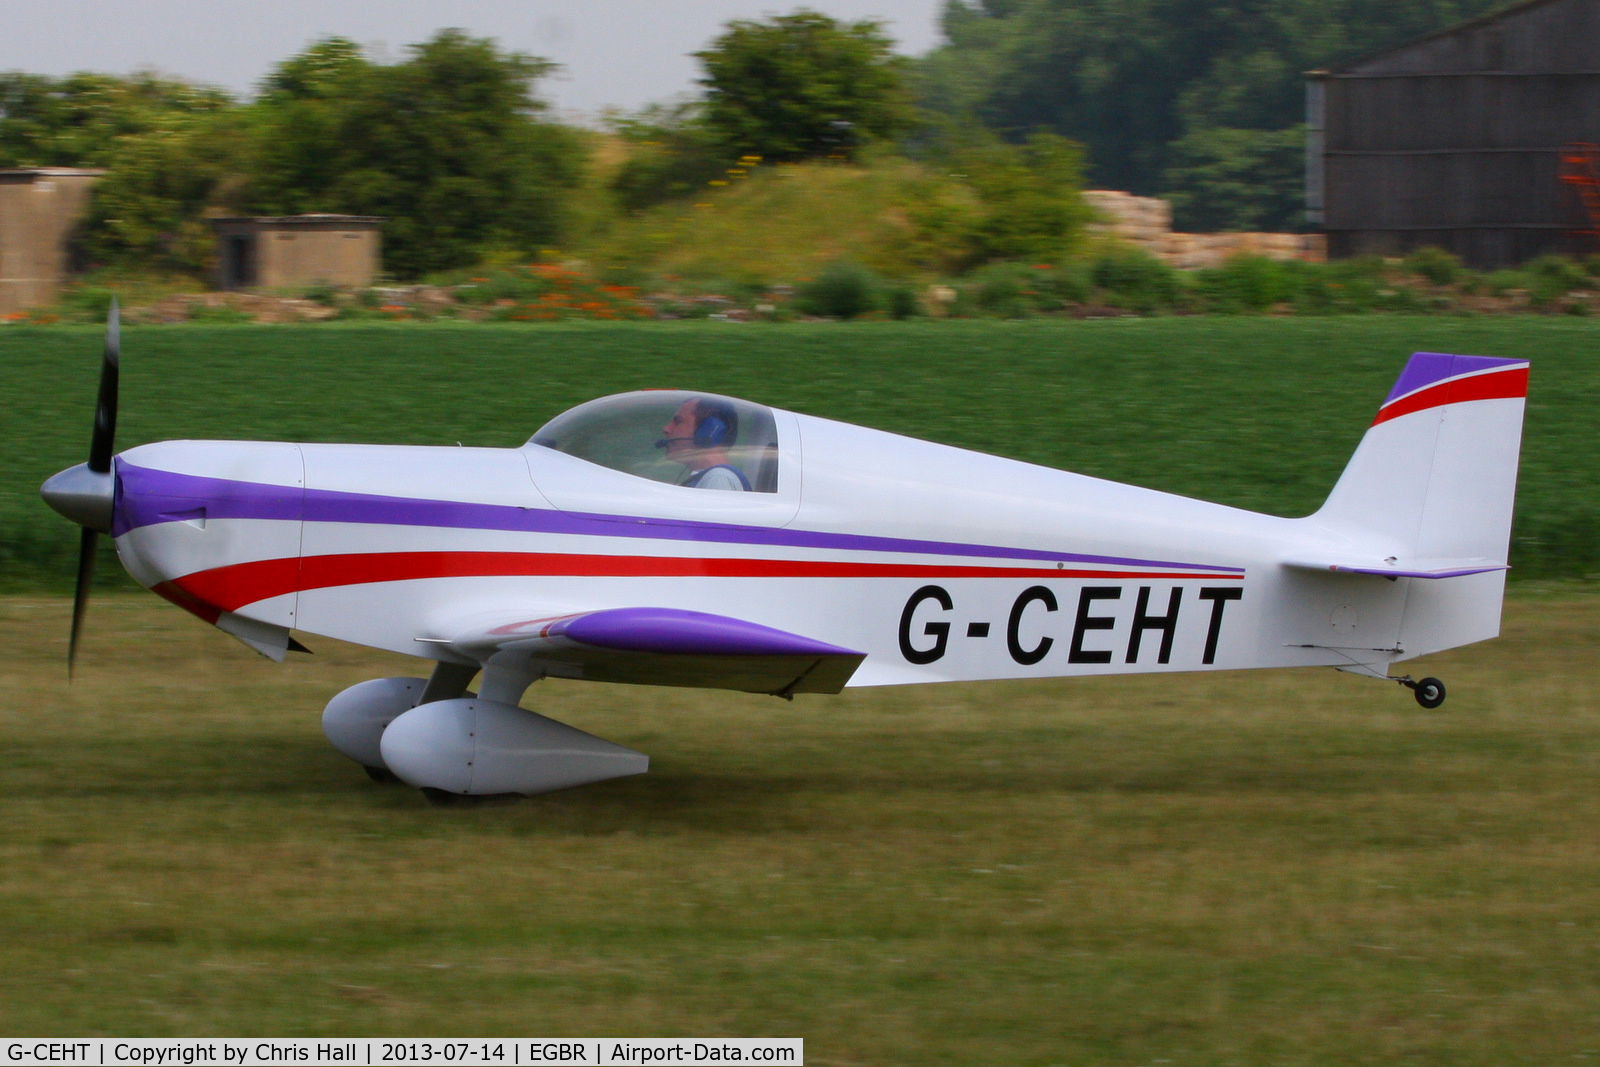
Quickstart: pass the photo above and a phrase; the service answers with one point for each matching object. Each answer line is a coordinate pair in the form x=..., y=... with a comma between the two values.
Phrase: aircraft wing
x=1396, y=567
x=656, y=646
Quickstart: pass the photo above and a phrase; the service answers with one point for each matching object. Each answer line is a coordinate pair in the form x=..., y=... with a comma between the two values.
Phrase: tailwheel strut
x=1429, y=692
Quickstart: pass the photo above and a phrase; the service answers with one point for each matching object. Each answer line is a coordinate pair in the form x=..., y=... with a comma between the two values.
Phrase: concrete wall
x=38, y=211
x=297, y=250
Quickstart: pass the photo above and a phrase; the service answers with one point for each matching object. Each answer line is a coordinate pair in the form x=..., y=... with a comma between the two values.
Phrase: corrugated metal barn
x=1456, y=139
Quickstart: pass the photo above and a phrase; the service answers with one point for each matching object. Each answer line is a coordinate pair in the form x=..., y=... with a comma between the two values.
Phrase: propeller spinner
x=86, y=494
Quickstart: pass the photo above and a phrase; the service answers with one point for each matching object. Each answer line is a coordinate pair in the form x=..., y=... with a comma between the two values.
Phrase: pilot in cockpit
x=698, y=436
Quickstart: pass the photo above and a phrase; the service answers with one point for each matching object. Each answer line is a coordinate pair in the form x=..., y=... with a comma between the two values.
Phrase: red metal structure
x=1580, y=167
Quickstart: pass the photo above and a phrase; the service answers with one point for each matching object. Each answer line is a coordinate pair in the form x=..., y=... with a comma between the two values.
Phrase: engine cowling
x=484, y=748
x=355, y=719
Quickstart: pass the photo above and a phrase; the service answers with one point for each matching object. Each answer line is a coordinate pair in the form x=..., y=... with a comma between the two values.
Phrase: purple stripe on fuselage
x=146, y=497
x=151, y=496
x=1429, y=368
x=687, y=633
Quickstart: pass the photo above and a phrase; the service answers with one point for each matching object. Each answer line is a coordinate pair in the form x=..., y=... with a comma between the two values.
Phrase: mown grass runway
x=1294, y=867
x=1258, y=413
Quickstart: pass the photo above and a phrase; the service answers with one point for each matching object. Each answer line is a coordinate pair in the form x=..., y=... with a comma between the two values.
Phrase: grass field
x=1293, y=867
x=1259, y=413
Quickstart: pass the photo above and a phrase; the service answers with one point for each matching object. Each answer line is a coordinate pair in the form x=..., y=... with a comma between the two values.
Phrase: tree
x=448, y=146
x=80, y=120
x=671, y=154
x=1230, y=179
x=803, y=86
x=1129, y=78
x=149, y=210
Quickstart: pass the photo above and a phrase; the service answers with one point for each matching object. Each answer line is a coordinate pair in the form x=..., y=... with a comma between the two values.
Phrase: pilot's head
x=701, y=426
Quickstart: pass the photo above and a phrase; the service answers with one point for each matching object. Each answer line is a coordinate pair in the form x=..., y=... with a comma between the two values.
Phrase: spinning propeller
x=86, y=494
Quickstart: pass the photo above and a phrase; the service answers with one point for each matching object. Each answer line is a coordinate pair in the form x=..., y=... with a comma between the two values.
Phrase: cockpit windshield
x=699, y=440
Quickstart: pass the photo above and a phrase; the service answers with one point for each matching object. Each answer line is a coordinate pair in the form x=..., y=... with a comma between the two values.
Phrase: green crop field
x=1285, y=867
x=1258, y=413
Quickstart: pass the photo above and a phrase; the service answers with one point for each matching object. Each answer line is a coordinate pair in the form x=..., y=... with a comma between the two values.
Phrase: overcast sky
x=620, y=53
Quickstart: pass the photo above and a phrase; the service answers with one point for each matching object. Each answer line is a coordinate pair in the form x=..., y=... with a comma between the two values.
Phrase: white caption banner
x=376, y=1052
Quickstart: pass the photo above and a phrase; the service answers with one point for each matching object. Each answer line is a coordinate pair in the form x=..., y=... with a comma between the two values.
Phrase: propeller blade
x=100, y=452
x=105, y=408
x=80, y=595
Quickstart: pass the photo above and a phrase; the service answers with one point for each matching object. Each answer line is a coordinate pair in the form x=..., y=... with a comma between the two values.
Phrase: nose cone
x=86, y=497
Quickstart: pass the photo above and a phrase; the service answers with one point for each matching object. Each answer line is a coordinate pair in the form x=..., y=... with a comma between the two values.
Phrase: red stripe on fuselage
x=188, y=601
x=1496, y=385
x=230, y=588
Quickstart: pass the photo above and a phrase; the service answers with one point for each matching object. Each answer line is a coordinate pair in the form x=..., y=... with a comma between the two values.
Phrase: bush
x=1134, y=279
x=85, y=303
x=1552, y=277
x=1248, y=283
x=842, y=290
x=1344, y=286
x=901, y=301
x=1434, y=264
x=671, y=155
x=492, y=286
x=1029, y=196
x=1502, y=282
x=324, y=293
x=1017, y=290
x=1004, y=289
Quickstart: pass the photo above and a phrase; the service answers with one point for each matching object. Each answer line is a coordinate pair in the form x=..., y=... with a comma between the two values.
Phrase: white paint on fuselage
x=835, y=479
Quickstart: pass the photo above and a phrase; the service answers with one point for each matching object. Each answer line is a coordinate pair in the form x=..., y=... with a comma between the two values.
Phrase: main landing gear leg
x=449, y=681
x=501, y=685
x=1428, y=691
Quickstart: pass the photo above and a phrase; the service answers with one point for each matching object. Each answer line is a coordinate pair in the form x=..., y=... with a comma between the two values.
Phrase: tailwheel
x=1430, y=692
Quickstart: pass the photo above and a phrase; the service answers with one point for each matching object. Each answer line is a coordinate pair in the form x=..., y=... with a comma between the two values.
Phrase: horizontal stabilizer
x=1397, y=567
x=663, y=646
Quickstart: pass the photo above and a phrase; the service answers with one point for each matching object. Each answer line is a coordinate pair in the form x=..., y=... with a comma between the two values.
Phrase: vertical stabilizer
x=1434, y=478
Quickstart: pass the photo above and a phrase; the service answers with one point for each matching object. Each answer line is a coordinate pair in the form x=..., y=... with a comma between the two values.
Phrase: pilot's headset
x=718, y=425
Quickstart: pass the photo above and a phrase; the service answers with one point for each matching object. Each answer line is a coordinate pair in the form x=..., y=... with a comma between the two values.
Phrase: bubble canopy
x=673, y=436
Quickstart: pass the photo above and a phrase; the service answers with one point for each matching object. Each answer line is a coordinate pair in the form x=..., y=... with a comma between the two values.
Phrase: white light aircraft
x=675, y=538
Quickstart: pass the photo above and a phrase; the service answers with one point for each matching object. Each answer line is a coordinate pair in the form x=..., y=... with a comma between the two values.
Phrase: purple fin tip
x=1426, y=368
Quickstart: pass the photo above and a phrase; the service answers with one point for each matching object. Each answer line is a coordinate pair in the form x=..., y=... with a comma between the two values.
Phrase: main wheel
x=1429, y=692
